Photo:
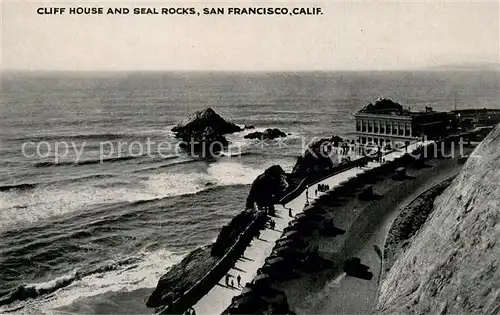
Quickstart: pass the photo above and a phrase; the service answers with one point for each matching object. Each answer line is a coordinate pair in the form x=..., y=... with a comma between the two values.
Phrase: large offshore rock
x=203, y=132
x=200, y=120
x=319, y=156
x=452, y=265
x=268, y=187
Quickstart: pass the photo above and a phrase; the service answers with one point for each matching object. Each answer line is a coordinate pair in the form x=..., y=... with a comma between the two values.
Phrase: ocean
x=92, y=224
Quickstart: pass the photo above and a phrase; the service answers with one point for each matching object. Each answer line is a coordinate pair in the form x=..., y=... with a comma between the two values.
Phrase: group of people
x=344, y=148
x=322, y=188
x=272, y=224
x=230, y=281
x=190, y=311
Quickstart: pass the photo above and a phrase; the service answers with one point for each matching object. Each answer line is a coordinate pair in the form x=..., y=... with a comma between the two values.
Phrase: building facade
x=382, y=129
x=386, y=123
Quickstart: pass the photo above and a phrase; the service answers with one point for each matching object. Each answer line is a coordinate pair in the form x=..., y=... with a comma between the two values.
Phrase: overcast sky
x=348, y=36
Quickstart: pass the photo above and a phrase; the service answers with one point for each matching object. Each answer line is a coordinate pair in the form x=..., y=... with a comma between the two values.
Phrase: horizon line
x=250, y=71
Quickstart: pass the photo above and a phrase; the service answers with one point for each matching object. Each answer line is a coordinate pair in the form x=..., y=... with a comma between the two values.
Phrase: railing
x=205, y=284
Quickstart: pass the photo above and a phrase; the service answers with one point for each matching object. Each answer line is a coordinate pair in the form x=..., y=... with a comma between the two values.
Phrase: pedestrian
x=316, y=192
x=232, y=283
x=239, y=280
x=290, y=212
x=227, y=280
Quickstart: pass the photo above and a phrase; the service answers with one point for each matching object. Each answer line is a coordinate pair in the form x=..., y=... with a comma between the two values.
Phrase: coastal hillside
x=452, y=265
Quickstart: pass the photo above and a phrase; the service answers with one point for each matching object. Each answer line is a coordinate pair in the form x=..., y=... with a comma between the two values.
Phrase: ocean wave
x=76, y=137
x=34, y=290
x=30, y=186
x=164, y=165
x=138, y=271
x=26, y=207
x=24, y=186
x=84, y=162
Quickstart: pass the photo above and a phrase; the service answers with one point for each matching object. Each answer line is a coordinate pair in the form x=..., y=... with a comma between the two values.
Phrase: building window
x=363, y=126
x=407, y=130
x=394, y=129
x=387, y=127
x=370, y=126
x=358, y=125
x=376, y=141
x=375, y=126
x=382, y=127
x=401, y=130
x=363, y=140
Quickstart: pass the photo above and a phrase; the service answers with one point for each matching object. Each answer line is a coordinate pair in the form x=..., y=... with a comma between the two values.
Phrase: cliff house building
x=386, y=122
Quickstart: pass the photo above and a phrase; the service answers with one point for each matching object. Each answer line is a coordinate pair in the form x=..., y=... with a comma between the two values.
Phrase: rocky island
x=268, y=134
x=203, y=132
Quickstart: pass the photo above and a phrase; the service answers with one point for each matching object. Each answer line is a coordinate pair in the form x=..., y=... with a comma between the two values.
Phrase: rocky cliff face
x=452, y=265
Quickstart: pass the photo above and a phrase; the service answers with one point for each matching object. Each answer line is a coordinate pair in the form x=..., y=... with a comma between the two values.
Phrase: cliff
x=451, y=265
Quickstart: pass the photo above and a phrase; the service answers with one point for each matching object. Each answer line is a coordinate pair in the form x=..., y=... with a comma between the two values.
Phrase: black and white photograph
x=249, y=157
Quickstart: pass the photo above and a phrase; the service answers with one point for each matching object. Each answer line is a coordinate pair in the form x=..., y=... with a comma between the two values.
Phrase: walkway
x=219, y=298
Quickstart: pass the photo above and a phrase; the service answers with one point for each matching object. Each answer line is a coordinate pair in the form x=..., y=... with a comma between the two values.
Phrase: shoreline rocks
x=267, y=188
x=268, y=134
x=319, y=156
x=182, y=276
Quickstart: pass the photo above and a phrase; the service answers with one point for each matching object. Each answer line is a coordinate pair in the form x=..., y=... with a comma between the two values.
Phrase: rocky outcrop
x=318, y=157
x=182, y=277
x=203, y=131
x=268, y=187
x=268, y=134
x=230, y=232
x=383, y=106
x=451, y=266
